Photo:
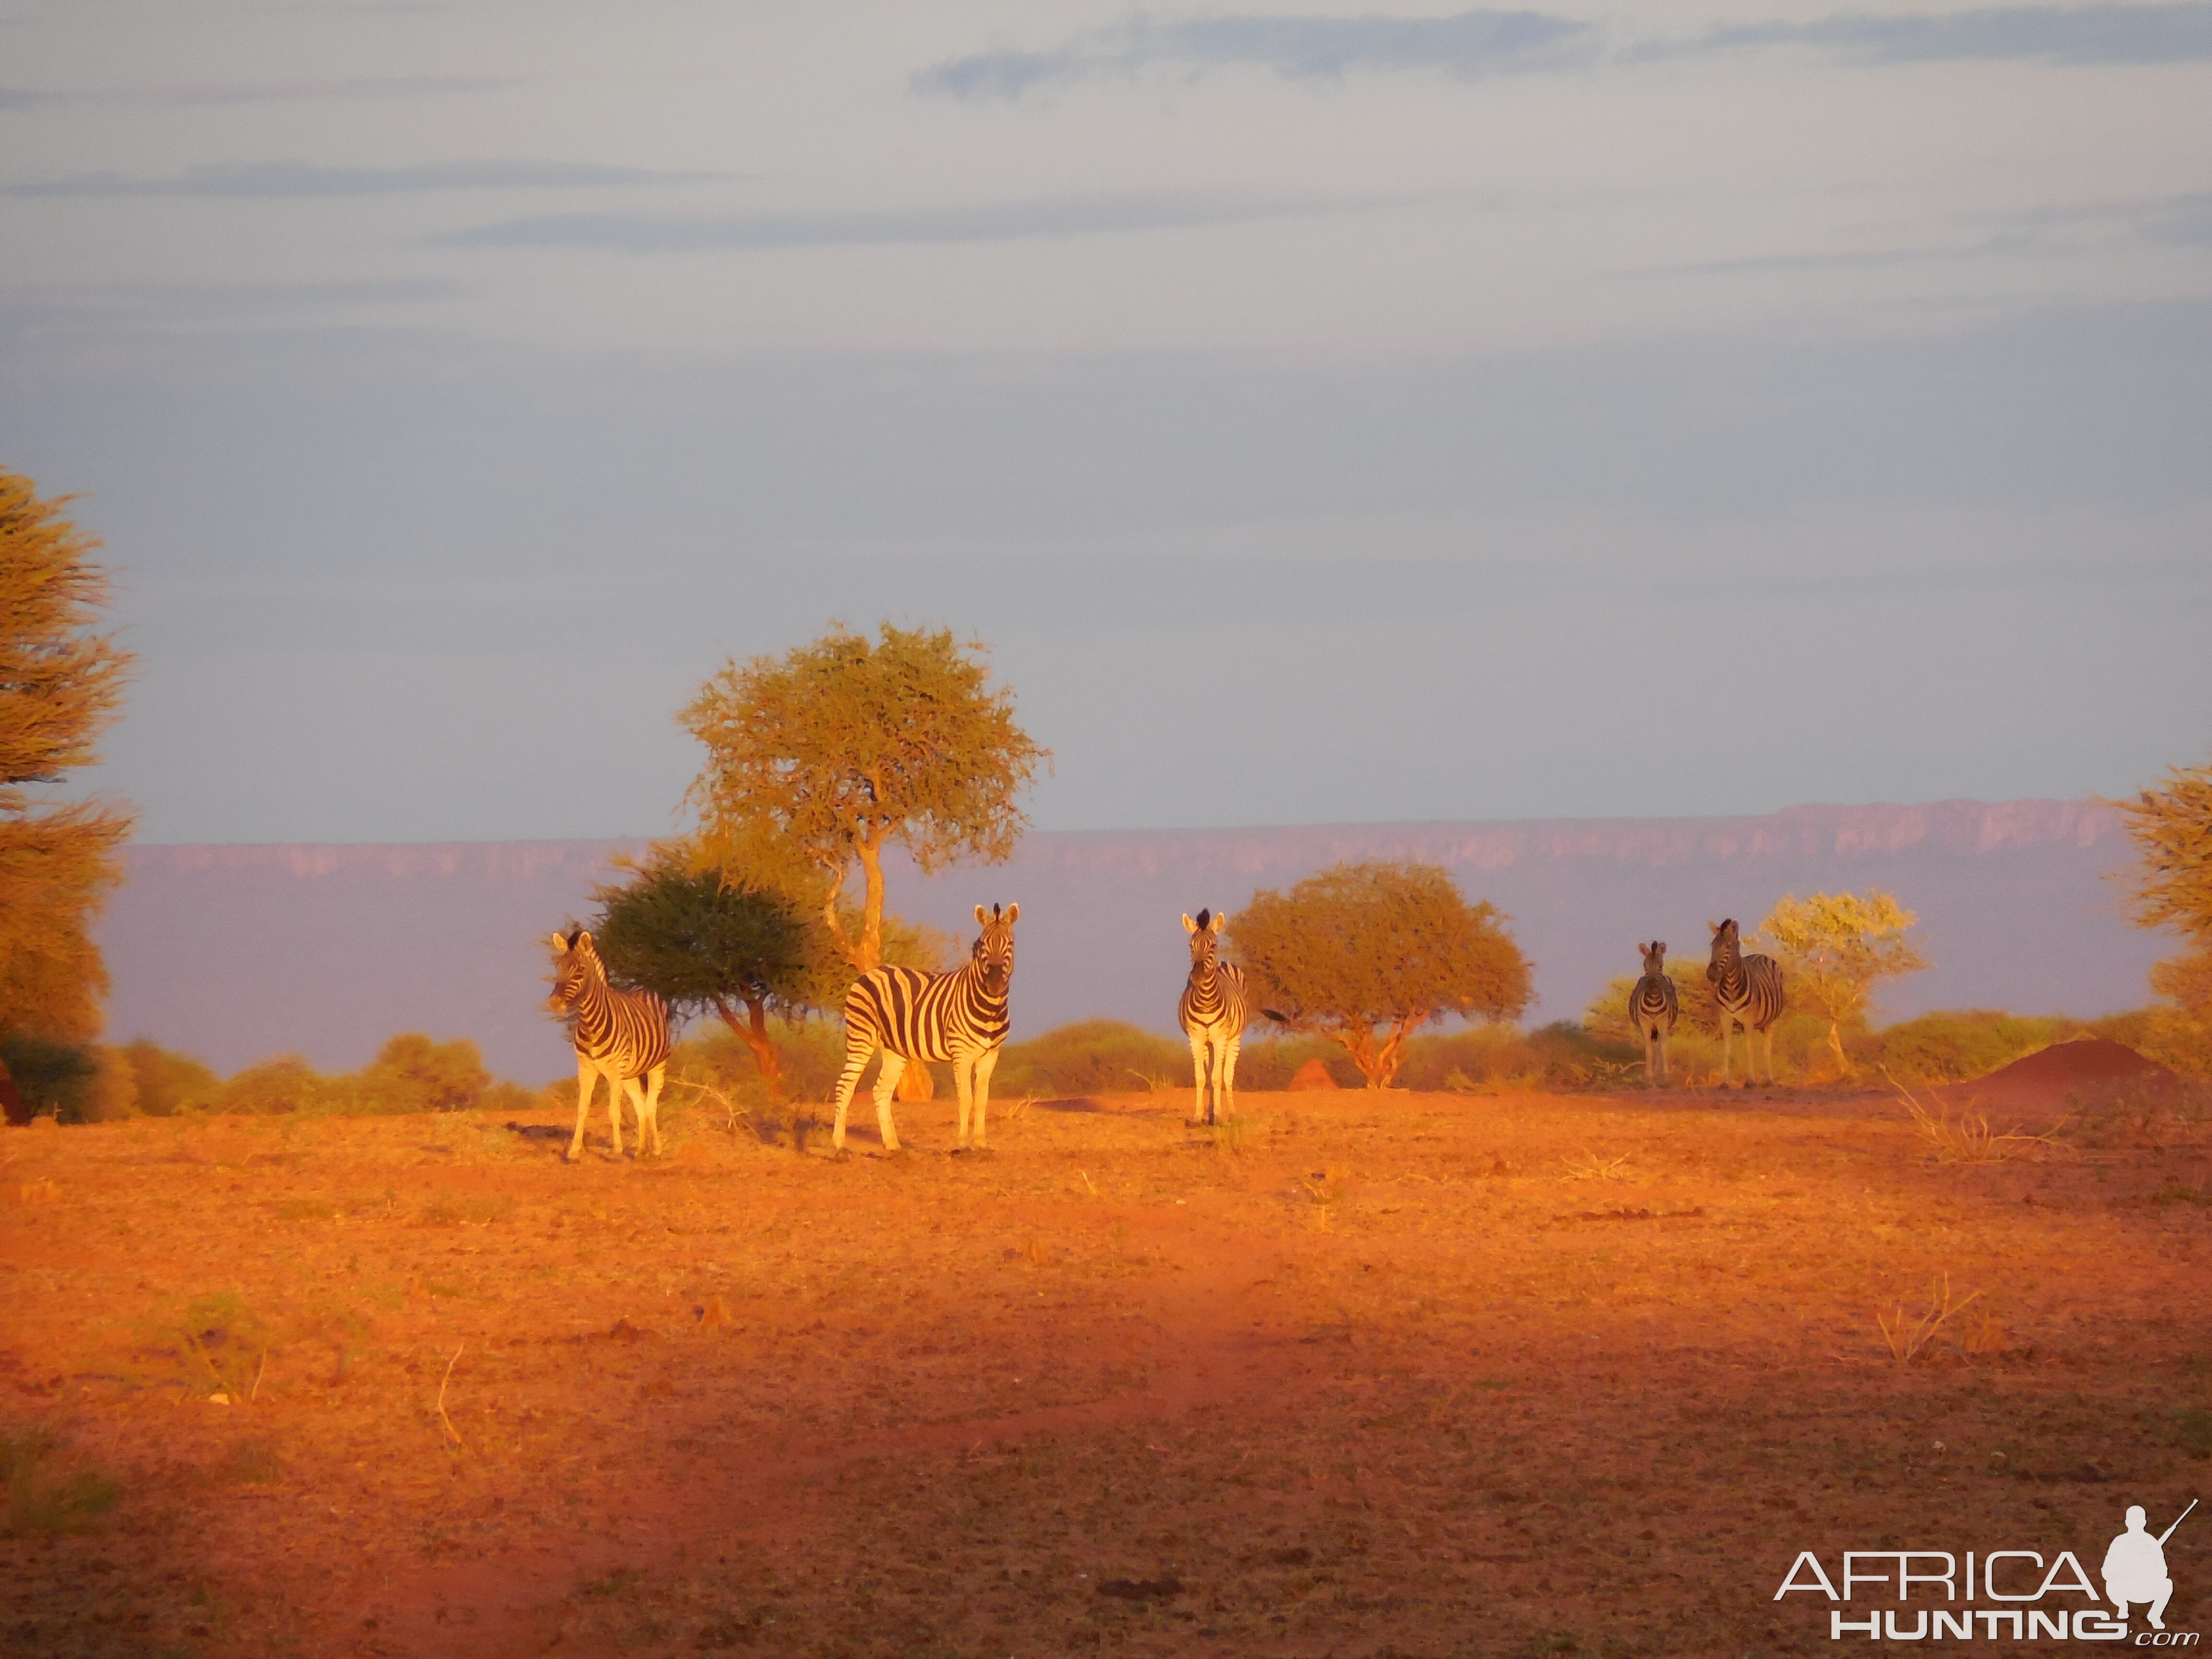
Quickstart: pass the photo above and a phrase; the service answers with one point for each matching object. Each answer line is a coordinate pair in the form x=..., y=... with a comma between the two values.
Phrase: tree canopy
x=1836, y=948
x=2173, y=831
x=1366, y=954
x=822, y=757
x=702, y=940
x=2172, y=887
x=61, y=685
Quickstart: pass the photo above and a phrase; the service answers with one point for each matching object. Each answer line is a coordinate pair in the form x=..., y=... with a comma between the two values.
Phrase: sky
x=1323, y=416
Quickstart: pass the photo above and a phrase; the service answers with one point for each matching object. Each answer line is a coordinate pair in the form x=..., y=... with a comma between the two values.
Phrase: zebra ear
x=1014, y=914
x=1716, y=927
x=1188, y=925
x=1220, y=920
x=558, y=940
x=980, y=917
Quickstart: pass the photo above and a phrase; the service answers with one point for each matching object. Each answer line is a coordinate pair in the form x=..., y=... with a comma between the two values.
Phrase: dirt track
x=1426, y=1374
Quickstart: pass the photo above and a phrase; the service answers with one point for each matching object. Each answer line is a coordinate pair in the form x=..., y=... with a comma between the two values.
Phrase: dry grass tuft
x=1965, y=1137
x=1590, y=1167
x=1908, y=1334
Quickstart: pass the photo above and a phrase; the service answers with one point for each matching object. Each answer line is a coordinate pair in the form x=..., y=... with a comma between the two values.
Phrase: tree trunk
x=870, y=951
x=1835, y=1042
x=754, y=1033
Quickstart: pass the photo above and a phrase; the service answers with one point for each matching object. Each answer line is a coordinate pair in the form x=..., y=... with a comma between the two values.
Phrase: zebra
x=1748, y=993
x=914, y=1016
x=1652, y=1006
x=1213, y=1012
x=622, y=1035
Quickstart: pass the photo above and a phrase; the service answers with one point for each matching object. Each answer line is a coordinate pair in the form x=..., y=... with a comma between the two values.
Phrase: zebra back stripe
x=922, y=1016
x=919, y=1016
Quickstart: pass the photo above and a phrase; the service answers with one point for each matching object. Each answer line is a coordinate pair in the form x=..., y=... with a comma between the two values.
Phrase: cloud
x=1469, y=43
x=2067, y=34
x=1002, y=221
x=1472, y=44
x=186, y=94
x=295, y=178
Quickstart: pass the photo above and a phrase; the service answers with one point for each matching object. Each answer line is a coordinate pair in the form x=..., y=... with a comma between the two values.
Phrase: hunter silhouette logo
x=2031, y=1594
x=2134, y=1567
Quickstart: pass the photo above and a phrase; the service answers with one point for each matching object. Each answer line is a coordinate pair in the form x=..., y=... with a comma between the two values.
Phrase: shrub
x=1486, y=1057
x=54, y=1079
x=286, y=1083
x=411, y=1073
x=168, y=1082
x=1952, y=1046
x=1268, y=1065
x=1094, y=1057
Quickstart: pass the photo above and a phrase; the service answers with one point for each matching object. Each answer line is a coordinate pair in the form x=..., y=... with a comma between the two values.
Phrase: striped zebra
x=1213, y=1013
x=1749, y=991
x=1652, y=1006
x=622, y=1035
x=912, y=1016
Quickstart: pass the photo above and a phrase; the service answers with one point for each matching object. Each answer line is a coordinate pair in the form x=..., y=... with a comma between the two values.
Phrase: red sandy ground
x=1413, y=1375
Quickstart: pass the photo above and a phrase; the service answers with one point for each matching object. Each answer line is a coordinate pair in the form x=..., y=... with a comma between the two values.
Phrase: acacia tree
x=1836, y=948
x=1366, y=954
x=2172, y=887
x=700, y=939
x=60, y=687
x=823, y=757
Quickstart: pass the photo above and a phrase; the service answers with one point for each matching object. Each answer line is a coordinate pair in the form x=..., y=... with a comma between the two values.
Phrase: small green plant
x=42, y=1497
x=1908, y=1334
x=226, y=1347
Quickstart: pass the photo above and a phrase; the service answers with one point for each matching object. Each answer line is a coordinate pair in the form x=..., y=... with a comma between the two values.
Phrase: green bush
x=1094, y=1057
x=285, y=1084
x=1484, y=1058
x=54, y=1079
x=409, y=1074
x=168, y=1082
x=1951, y=1046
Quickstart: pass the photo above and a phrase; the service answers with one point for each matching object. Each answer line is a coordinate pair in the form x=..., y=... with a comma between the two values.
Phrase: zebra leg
x=1224, y=1090
x=1727, y=1040
x=648, y=1108
x=1659, y=1036
x=1216, y=1112
x=848, y=1080
x=1198, y=1078
x=886, y=1081
x=986, y=1063
x=587, y=1078
x=964, y=1086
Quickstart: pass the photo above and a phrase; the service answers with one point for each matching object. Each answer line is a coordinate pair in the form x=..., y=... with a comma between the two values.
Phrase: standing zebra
x=622, y=1035
x=1748, y=990
x=1213, y=1012
x=1652, y=1006
x=912, y=1016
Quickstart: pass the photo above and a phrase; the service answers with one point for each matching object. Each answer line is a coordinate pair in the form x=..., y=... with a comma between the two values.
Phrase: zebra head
x=1655, y=956
x=1728, y=950
x=575, y=966
x=994, y=947
x=1204, y=944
